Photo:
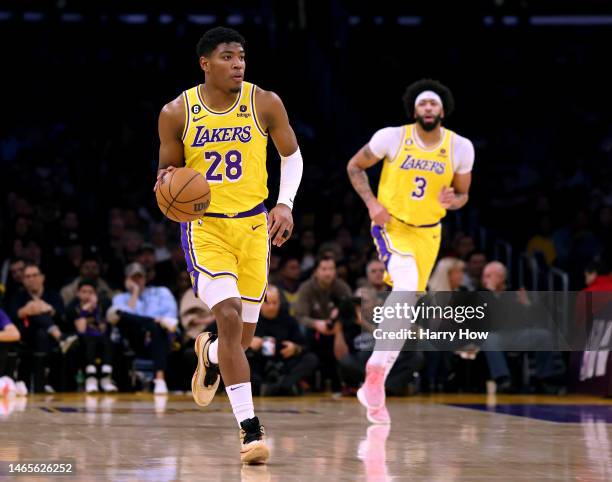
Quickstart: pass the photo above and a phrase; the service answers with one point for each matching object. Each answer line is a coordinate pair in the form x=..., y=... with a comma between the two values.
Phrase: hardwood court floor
x=442, y=438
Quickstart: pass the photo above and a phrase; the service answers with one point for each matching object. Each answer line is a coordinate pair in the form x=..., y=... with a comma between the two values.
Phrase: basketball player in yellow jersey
x=427, y=170
x=221, y=128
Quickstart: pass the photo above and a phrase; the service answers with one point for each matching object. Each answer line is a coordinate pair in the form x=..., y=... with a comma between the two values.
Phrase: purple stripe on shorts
x=191, y=265
x=255, y=300
x=185, y=245
x=381, y=246
x=195, y=282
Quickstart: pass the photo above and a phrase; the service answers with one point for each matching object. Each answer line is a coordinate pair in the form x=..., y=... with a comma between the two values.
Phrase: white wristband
x=291, y=174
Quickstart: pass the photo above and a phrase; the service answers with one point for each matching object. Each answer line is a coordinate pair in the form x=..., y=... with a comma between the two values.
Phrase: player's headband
x=428, y=95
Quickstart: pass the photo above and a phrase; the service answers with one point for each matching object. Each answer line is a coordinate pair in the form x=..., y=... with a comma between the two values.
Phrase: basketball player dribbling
x=221, y=128
x=427, y=170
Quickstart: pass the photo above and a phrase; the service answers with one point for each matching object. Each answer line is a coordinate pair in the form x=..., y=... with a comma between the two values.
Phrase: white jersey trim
x=386, y=143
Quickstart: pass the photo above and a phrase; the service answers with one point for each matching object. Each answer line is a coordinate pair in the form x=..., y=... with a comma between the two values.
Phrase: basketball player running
x=427, y=170
x=221, y=128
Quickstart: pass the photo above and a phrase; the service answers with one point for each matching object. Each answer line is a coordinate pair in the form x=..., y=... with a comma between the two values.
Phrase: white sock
x=213, y=349
x=241, y=399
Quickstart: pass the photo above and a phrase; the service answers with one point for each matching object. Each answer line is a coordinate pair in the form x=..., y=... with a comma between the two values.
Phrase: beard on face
x=429, y=126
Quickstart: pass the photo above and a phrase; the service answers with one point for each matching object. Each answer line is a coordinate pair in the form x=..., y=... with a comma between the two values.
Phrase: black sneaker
x=253, y=449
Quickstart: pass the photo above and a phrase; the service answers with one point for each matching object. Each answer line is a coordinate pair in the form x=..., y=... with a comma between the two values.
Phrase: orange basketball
x=183, y=195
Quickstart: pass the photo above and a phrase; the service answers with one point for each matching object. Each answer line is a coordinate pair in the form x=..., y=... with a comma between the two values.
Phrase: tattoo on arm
x=359, y=178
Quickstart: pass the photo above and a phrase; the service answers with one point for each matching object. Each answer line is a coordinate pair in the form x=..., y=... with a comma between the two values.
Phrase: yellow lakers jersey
x=228, y=148
x=411, y=181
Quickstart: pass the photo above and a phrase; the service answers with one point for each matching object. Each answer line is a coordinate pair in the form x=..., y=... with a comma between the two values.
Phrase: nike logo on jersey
x=255, y=227
x=196, y=119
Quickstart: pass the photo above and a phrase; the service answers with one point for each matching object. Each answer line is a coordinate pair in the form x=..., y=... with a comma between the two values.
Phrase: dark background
x=81, y=95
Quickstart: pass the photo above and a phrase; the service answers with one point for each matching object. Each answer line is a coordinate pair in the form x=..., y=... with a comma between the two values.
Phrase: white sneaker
x=21, y=389
x=168, y=323
x=91, y=385
x=107, y=385
x=160, y=387
x=49, y=389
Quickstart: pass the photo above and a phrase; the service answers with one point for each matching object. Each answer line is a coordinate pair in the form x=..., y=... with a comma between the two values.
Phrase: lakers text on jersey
x=229, y=149
x=411, y=181
x=409, y=187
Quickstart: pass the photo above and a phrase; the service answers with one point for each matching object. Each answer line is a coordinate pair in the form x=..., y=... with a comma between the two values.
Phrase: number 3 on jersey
x=233, y=166
x=420, y=185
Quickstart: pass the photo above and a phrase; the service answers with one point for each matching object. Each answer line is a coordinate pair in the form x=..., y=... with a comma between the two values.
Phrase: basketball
x=183, y=195
x=406, y=277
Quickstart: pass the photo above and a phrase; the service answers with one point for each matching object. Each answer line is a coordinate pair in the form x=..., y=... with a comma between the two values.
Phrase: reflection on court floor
x=570, y=413
x=441, y=438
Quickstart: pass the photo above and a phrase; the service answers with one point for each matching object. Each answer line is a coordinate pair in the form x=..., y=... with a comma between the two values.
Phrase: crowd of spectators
x=80, y=233
x=94, y=318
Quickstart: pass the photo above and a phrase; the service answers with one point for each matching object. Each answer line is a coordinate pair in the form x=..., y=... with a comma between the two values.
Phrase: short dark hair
x=286, y=257
x=215, y=36
x=32, y=264
x=414, y=89
x=598, y=266
x=475, y=252
x=88, y=282
x=324, y=257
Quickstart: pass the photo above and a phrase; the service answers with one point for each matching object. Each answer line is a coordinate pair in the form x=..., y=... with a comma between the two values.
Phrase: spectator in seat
x=448, y=275
x=598, y=277
x=474, y=266
x=494, y=279
x=90, y=270
x=40, y=315
x=316, y=300
x=86, y=315
x=375, y=275
x=463, y=245
x=280, y=358
x=14, y=281
x=288, y=280
x=146, y=315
